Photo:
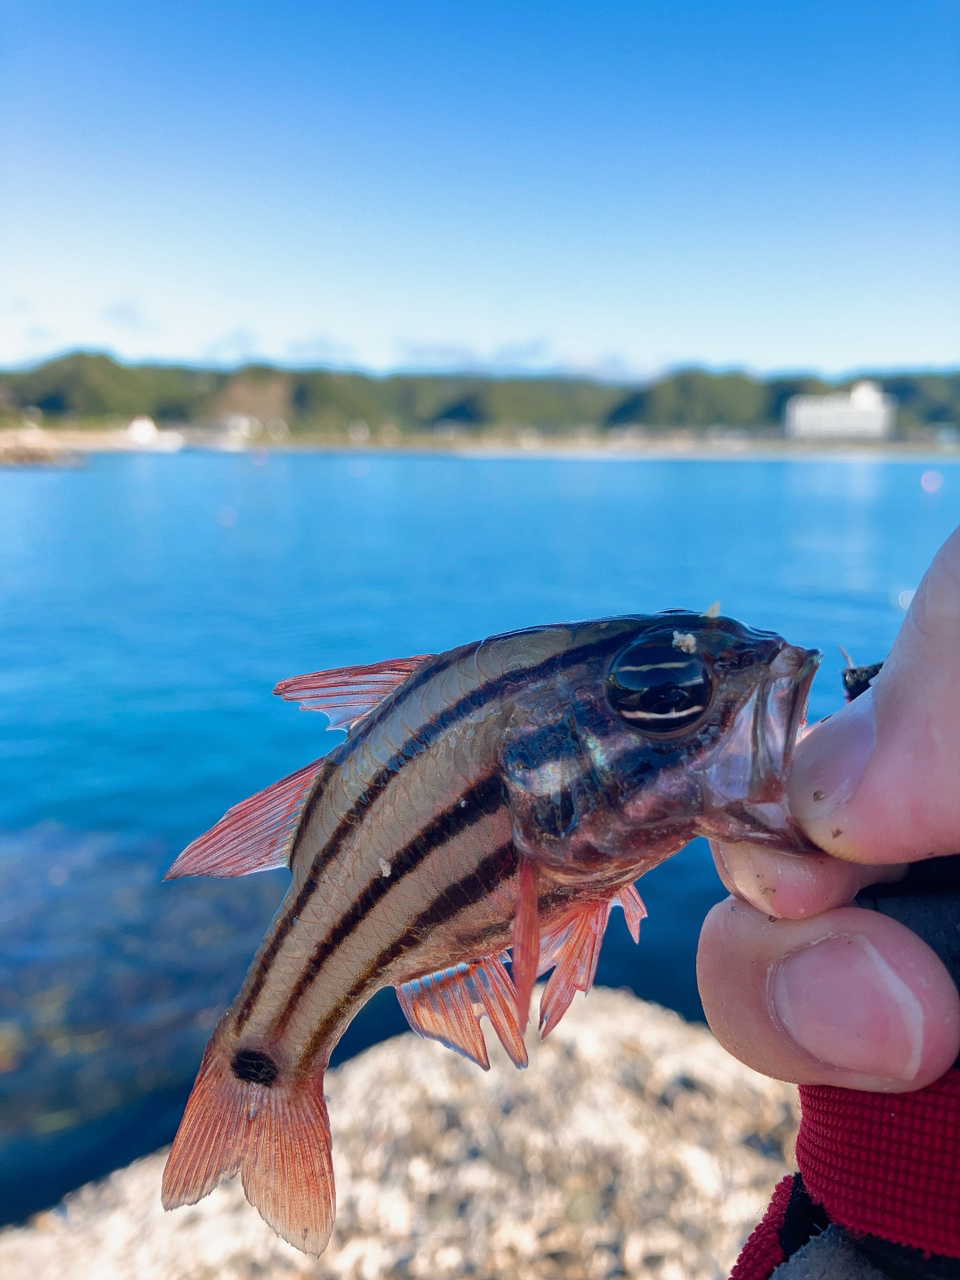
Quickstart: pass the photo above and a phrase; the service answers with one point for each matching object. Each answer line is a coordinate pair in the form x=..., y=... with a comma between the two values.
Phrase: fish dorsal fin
x=448, y=1005
x=255, y=835
x=346, y=694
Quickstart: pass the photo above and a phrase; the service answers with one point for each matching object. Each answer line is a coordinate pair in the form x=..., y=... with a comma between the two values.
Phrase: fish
x=492, y=803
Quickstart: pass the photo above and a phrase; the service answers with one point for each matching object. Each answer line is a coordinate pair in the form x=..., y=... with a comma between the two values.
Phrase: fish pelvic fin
x=525, y=952
x=633, y=909
x=573, y=945
x=346, y=694
x=277, y=1137
x=255, y=835
x=448, y=1005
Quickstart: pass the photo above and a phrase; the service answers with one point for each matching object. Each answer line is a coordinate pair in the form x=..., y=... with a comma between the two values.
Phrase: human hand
x=796, y=982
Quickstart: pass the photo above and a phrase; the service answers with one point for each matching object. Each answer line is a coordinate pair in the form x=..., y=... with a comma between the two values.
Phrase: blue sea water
x=148, y=605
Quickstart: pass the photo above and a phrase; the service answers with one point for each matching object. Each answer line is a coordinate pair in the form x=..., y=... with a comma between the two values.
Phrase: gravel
x=632, y=1146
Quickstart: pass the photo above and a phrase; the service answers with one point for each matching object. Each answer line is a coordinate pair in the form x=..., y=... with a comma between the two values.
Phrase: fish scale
x=504, y=795
x=401, y=811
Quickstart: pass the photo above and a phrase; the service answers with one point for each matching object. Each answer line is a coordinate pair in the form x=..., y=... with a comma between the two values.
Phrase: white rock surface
x=632, y=1146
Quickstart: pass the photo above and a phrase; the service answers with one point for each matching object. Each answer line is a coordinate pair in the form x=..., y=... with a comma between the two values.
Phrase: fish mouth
x=745, y=785
x=784, y=711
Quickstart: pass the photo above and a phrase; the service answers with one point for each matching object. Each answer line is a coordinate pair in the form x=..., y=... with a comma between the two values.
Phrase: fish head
x=669, y=726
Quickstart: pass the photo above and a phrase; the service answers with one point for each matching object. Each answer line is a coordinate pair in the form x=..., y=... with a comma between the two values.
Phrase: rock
x=632, y=1146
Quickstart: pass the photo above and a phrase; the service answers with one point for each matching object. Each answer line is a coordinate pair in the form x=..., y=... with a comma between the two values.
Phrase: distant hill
x=93, y=387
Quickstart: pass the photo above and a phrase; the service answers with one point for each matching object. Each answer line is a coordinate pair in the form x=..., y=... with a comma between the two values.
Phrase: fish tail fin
x=287, y=1169
x=276, y=1136
x=210, y=1141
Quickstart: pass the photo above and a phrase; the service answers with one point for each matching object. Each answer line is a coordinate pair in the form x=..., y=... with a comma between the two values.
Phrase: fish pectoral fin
x=277, y=1138
x=448, y=1005
x=346, y=694
x=572, y=944
x=633, y=909
x=255, y=835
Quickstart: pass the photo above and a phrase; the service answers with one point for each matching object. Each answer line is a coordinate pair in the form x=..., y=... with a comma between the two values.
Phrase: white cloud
x=127, y=317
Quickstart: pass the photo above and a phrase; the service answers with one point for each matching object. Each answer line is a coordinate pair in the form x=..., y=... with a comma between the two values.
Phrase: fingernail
x=843, y=1004
x=830, y=761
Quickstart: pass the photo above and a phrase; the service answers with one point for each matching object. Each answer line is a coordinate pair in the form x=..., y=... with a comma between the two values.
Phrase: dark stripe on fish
x=555, y=812
x=491, y=872
x=482, y=800
x=542, y=743
x=418, y=742
x=415, y=681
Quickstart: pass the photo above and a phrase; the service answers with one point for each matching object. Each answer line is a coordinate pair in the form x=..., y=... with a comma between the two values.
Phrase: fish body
x=503, y=795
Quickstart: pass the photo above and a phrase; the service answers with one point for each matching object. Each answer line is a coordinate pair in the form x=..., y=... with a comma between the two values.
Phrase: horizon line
x=490, y=371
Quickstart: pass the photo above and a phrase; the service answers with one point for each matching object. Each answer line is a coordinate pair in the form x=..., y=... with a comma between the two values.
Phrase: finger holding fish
x=848, y=997
x=794, y=886
x=876, y=782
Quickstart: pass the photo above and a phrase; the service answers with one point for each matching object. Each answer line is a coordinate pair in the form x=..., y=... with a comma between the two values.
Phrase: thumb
x=879, y=781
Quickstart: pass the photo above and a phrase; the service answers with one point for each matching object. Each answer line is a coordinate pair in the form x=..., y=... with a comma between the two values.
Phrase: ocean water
x=148, y=605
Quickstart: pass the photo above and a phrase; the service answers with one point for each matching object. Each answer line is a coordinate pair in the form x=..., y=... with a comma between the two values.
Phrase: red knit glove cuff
x=886, y=1164
x=763, y=1251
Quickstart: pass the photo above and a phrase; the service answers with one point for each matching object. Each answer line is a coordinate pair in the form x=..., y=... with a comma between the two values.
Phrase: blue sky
x=607, y=187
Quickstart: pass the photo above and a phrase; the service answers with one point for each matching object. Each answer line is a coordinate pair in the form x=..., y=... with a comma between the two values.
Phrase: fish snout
x=745, y=781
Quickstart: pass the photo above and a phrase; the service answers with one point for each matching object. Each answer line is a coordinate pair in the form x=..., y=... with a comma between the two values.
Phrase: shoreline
x=34, y=445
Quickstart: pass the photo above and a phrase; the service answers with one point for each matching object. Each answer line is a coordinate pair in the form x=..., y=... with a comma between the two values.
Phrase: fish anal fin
x=633, y=909
x=255, y=835
x=500, y=1004
x=442, y=1006
x=346, y=694
x=525, y=952
x=574, y=946
x=277, y=1138
x=448, y=1005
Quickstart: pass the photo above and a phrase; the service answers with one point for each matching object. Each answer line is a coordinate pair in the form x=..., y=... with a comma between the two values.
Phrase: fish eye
x=658, y=688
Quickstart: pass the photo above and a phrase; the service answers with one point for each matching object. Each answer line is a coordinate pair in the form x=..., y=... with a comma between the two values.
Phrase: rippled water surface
x=150, y=603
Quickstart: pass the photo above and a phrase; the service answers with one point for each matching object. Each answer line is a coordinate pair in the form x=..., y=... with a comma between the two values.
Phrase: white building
x=865, y=413
x=143, y=433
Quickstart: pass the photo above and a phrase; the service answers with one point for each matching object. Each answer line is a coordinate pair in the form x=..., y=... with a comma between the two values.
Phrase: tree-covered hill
x=94, y=387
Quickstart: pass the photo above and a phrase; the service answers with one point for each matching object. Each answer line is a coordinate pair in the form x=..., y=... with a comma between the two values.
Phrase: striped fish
x=500, y=797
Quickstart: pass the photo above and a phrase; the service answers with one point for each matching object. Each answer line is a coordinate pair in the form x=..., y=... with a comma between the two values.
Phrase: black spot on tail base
x=254, y=1067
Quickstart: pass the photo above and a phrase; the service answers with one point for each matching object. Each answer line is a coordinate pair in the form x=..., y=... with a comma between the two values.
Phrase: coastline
x=34, y=445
